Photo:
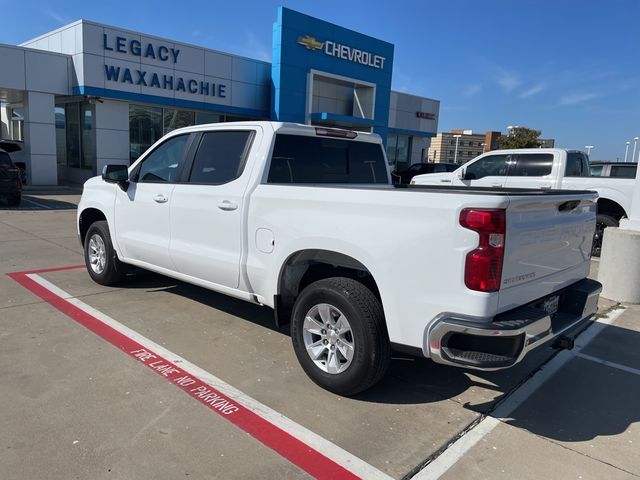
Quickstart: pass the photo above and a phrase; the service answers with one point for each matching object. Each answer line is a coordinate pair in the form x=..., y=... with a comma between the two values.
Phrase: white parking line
x=602, y=361
x=459, y=448
x=306, y=449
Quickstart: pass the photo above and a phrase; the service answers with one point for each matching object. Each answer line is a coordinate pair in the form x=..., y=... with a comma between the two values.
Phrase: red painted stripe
x=47, y=270
x=288, y=446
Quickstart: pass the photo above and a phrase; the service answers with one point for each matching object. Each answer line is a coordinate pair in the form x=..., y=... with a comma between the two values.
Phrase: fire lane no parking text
x=292, y=441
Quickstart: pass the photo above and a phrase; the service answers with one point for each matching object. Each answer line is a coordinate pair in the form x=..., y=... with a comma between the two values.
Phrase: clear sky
x=569, y=68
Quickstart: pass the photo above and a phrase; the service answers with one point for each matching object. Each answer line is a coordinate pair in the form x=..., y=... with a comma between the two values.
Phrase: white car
x=544, y=168
x=305, y=220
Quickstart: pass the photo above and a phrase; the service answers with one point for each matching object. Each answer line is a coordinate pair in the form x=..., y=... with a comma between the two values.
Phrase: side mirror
x=462, y=174
x=116, y=174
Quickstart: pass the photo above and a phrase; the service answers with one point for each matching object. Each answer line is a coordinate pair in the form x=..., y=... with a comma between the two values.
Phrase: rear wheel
x=14, y=199
x=339, y=335
x=100, y=257
x=602, y=221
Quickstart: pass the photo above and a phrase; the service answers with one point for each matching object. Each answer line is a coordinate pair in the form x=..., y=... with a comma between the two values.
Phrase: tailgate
x=547, y=245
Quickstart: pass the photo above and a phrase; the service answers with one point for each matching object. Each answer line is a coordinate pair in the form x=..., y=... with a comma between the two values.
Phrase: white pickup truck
x=545, y=168
x=305, y=220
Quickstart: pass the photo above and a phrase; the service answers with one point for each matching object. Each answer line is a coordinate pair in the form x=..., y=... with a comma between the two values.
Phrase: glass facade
x=399, y=151
x=75, y=135
x=173, y=118
x=145, y=128
x=148, y=124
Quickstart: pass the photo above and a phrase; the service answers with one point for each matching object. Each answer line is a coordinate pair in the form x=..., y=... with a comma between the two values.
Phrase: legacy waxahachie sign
x=145, y=78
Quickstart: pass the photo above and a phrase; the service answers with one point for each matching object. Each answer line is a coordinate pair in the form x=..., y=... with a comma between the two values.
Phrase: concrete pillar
x=619, y=270
x=112, y=133
x=40, y=138
x=4, y=121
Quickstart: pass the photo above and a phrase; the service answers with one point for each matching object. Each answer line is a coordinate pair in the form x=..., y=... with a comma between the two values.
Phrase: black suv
x=405, y=176
x=10, y=182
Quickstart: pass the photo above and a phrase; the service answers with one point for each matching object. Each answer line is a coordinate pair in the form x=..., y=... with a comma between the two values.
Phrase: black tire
x=371, y=347
x=114, y=270
x=14, y=199
x=602, y=221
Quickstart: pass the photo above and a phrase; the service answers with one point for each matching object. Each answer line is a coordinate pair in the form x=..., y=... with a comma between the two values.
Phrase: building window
x=61, y=135
x=75, y=135
x=208, y=117
x=173, y=118
x=399, y=151
x=145, y=128
x=148, y=124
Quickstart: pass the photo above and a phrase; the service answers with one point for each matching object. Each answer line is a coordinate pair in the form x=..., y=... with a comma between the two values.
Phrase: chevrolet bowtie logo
x=310, y=43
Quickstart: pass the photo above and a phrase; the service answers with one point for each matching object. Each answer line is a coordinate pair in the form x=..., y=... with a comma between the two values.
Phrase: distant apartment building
x=460, y=146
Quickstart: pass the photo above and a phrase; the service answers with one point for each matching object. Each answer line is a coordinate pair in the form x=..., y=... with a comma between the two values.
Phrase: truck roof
x=281, y=127
x=536, y=150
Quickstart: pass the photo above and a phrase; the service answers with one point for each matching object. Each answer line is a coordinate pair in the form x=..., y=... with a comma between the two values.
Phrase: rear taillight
x=483, y=267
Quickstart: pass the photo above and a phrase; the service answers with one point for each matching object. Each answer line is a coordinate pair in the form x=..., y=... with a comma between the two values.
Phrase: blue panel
x=328, y=48
x=174, y=102
x=414, y=133
x=341, y=118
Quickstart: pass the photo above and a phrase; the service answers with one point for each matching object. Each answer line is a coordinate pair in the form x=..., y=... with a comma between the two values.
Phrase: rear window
x=532, y=165
x=302, y=159
x=5, y=160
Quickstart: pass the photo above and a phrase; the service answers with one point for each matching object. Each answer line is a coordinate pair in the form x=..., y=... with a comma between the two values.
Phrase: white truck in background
x=305, y=220
x=544, y=168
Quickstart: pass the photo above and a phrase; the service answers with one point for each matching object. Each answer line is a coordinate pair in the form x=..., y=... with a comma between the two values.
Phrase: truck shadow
x=583, y=401
x=40, y=203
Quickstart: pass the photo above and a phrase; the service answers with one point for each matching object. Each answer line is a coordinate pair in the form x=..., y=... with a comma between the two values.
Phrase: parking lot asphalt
x=73, y=406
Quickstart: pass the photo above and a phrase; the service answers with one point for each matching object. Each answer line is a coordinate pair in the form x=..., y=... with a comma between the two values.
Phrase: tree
x=520, y=137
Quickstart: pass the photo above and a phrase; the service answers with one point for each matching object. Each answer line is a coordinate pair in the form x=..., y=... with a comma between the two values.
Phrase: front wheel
x=602, y=221
x=339, y=335
x=100, y=257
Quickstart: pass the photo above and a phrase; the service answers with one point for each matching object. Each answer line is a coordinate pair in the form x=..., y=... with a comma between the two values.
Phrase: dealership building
x=87, y=95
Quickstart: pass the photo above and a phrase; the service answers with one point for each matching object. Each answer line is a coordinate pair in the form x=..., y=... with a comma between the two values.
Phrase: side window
x=490, y=166
x=577, y=165
x=623, y=171
x=220, y=157
x=532, y=165
x=596, y=170
x=163, y=164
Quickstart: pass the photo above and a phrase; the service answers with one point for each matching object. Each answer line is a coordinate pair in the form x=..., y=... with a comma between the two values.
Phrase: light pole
x=626, y=151
x=635, y=142
x=588, y=147
x=455, y=157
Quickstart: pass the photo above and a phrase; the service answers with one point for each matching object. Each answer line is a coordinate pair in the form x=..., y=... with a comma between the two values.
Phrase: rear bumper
x=508, y=337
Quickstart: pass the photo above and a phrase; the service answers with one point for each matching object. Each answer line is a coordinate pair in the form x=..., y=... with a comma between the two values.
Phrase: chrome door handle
x=227, y=206
x=160, y=198
x=496, y=185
